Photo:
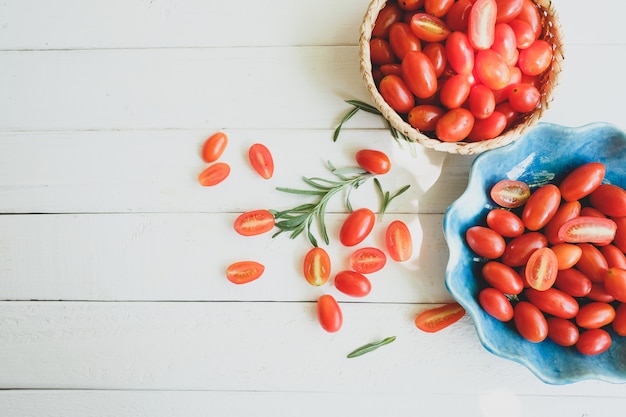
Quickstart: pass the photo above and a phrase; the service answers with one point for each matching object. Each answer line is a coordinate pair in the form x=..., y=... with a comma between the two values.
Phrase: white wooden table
x=113, y=296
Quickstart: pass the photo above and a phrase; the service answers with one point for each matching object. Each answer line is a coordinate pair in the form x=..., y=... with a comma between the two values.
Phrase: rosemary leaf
x=347, y=117
x=364, y=106
x=370, y=347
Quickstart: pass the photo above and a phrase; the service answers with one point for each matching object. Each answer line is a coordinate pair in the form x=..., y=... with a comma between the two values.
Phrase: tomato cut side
x=481, y=23
x=261, y=160
x=541, y=269
x=600, y=231
x=214, y=174
x=367, y=260
x=436, y=319
x=429, y=28
x=317, y=266
x=510, y=193
x=254, y=222
x=243, y=272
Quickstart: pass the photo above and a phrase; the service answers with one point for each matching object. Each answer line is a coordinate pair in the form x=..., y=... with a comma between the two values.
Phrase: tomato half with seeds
x=610, y=199
x=530, y=322
x=398, y=241
x=481, y=23
x=597, y=230
x=510, y=193
x=541, y=269
x=357, y=226
x=214, y=147
x=317, y=266
x=485, y=242
x=429, y=28
x=554, y=302
x=594, y=342
x=214, y=174
x=438, y=318
x=615, y=283
x=254, y=222
x=367, y=260
x=261, y=160
x=595, y=315
x=329, y=313
x=373, y=161
x=496, y=304
x=353, y=283
x=562, y=331
x=243, y=272
x=541, y=206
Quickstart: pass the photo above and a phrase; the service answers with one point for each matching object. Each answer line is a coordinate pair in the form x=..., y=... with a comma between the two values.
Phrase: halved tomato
x=541, y=269
x=429, y=28
x=214, y=174
x=261, y=160
x=317, y=266
x=591, y=229
x=367, y=260
x=243, y=272
x=254, y=222
x=438, y=318
x=481, y=23
x=510, y=193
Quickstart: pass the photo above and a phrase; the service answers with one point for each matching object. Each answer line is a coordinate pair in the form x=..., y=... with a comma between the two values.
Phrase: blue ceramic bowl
x=545, y=154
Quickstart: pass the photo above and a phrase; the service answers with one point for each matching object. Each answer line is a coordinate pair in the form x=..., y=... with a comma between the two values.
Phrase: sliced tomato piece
x=317, y=266
x=254, y=222
x=438, y=318
x=541, y=269
x=243, y=272
x=591, y=229
x=429, y=28
x=214, y=174
x=261, y=160
x=510, y=193
x=482, y=22
x=367, y=260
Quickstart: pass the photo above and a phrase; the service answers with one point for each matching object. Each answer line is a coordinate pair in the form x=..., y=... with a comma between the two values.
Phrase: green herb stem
x=370, y=347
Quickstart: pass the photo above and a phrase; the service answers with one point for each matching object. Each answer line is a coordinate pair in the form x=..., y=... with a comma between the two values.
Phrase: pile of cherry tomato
x=554, y=259
x=460, y=69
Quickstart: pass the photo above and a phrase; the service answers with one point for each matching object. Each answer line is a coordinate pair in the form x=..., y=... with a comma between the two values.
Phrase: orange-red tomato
x=491, y=69
x=455, y=125
x=567, y=211
x=519, y=249
x=508, y=10
x=243, y=272
x=530, y=14
x=402, y=40
x=214, y=174
x=398, y=241
x=261, y=160
x=460, y=53
x=524, y=35
x=592, y=263
x=541, y=206
x=595, y=315
x=597, y=230
x=502, y=277
x=329, y=313
x=381, y=52
x=554, y=302
x=373, y=161
x=438, y=8
x=524, y=97
x=214, y=147
x=482, y=101
x=357, y=226
x=615, y=283
x=458, y=15
x=482, y=23
x=438, y=318
x=436, y=52
x=567, y=255
x=610, y=199
x=395, y=69
x=593, y=342
x=429, y=28
x=387, y=16
x=573, y=282
x=505, y=222
x=367, y=260
x=620, y=233
x=410, y=4
x=496, y=304
x=317, y=266
x=488, y=128
x=541, y=269
x=535, y=59
x=505, y=44
x=353, y=283
x=254, y=222
x=396, y=93
x=614, y=256
x=510, y=193
x=530, y=322
x=419, y=74
x=454, y=91
x=485, y=242
x=619, y=322
x=599, y=293
x=562, y=331
x=424, y=117
x=590, y=211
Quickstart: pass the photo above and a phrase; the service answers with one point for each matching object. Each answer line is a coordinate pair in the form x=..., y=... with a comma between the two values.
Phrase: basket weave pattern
x=552, y=33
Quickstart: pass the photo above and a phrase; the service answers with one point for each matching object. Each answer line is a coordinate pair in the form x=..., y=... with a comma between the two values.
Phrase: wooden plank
x=250, y=88
x=81, y=403
x=275, y=347
x=172, y=256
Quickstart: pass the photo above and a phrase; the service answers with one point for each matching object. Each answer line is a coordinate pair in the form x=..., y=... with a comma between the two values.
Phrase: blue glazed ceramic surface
x=543, y=155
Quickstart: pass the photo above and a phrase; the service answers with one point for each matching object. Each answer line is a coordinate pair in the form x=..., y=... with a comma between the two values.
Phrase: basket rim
x=551, y=27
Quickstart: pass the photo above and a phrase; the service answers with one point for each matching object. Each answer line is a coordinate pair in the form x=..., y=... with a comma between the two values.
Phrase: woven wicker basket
x=551, y=33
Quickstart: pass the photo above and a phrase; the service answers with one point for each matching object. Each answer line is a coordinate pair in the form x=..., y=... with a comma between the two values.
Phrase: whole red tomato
x=530, y=322
x=353, y=283
x=329, y=313
x=485, y=242
x=419, y=74
x=496, y=304
x=357, y=226
x=376, y=162
x=541, y=206
x=396, y=93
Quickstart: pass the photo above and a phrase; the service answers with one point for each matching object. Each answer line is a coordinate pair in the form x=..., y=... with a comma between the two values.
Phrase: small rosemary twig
x=385, y=197
x=370, y=347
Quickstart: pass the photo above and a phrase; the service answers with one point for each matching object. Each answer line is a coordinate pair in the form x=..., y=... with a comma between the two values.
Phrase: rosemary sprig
x=370, y=347
x=359, y=105
x=385, y=197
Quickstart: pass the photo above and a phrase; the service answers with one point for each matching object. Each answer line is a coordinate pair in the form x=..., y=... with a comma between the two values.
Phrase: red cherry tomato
x=530, y=322
x=387, y=16
x=367, y=260
x=261, y=160
x=567, y=211
x=620, y=234
x=554, y=302
x=438, y=318
x=524, y=97
x=396, y=93
x=541, y=206
x=614, y=256
x=482, y=23
x=510, y=193
x=582, y=181
x=482, y=101
x=488, y=128
x=599, y=293
x=244, y=271
x=455, y=125
x=425, y=116
x=505, y=43
x=455, y=91
x=496, y=304
x=381, y=52
x=562, y=331
x=353, y=283
x=429, y=28
x=410, y=4
x=214, y=174
x=460, y=53
x=524, y=35
x=458, y=15
x=610, y=199
x=595, y=315
x=567, y=255
x=530, y=14
x=485, y=242
x=502, y=277
x=573, y=282
x=398, y=241
x=214, y=147
x=592, y=263
x=590, y=211
x=419, y=74
x=357, y=226
x=505, y=222
x=317, y=266
x=402, y=40
x=438, y=8
x=535, y=59
x=541, y=269
x=508, y=111
x=393, y=69
x=615, y=283
x=515, y=77
x=593, y=342
x=329, y=313
x=508, y=10
x=436, y=53
x=519, y=249
x=598, y=230
x=619, y=322
x=491, y=69
x=373, y=161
